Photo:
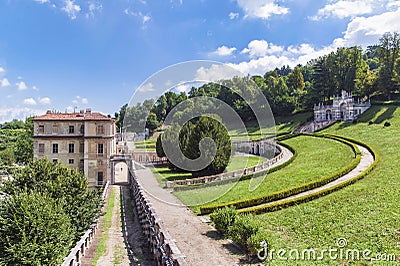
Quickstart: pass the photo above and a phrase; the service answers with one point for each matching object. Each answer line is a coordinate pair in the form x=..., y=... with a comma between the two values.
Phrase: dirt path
x=125, y=243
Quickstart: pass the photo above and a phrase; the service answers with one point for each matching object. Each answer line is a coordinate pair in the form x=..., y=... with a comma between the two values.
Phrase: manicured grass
x=164, y=174
x=282, y=125
x=148, y=144
x=101, y=246
x=366, y=213
x=312, y=163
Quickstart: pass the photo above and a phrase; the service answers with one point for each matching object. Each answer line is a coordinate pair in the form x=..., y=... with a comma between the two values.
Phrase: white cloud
x=223, y=51
x=29, y=101
x=79, y=100
x=233, y=15
x=258, y=48
x=42, y=1
x=71, y=8
x=353, y=8
x=148, y=87
x=2, y=70
x=21, y=85
x=183, y=87
x=364, y=31
x=93, y=7
x=35, y=88
x=215, y=73
x=45, y=100
x=143, y=17
x=8, y=114
x=261, y=8
x=5, y=83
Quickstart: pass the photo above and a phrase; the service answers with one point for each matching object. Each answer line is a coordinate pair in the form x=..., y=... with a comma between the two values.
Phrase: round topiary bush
x=223, y=219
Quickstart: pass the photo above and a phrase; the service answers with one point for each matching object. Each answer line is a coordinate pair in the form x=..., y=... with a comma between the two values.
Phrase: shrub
x=387, y=124
x=243, y=228
x=34, y=230
x=223, y=219
x=254, y=242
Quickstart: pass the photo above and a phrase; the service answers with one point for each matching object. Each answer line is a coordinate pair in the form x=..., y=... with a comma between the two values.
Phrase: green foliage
x=243, y=228
x=7, y=157
x=254, y=242
x=223, y=219
x=209, y=128
x=61, y=183
x=159, y=148
x=34, y=230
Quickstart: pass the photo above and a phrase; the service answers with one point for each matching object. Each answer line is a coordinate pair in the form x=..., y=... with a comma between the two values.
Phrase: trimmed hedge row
x=241, y=178
x=287, y=203
x=249, y=202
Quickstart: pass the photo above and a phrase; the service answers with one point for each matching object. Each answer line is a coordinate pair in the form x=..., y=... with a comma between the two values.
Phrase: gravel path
x=194, y=238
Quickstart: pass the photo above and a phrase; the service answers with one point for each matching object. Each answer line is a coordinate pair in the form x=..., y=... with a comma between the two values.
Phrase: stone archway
x=343, y=111
x=124, y=162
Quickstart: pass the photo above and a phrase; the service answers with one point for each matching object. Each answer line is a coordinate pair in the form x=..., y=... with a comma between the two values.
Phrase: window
x=55, y=161
x=82, y=129
x=55, y=148
x=71, y=161
x=41, y=129
x=81, y=147
x=99, y=178
x=100, y=130
x=71, y=148
x=41, y=148
x=100, y=149
x=55, y=128
x=71, y=130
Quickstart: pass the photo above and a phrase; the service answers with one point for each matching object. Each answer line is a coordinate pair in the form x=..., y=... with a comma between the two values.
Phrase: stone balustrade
x=162, y=245
x=230, y=175
x=75, y=256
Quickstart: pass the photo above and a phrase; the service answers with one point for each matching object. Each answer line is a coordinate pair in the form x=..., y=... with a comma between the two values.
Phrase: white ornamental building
x=344, y=108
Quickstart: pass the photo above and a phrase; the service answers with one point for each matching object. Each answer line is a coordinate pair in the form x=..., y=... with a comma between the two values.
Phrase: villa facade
x=344, y=108
x=82, y=140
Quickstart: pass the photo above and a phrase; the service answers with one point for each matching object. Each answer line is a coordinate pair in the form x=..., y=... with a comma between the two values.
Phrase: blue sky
x=61, y=54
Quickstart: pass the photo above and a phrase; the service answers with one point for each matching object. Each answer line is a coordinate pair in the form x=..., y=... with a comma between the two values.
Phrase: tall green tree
x=388, y=53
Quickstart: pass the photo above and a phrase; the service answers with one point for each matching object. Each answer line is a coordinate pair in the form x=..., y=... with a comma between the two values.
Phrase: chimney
x=88, y=111
x=82, y=111
x=48, y=112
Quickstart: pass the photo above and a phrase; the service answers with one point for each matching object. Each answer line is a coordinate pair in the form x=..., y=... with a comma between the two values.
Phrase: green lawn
x=282, y=125
x=366, y=214
x=312, y=163
x=148, y=144
x=164, y=174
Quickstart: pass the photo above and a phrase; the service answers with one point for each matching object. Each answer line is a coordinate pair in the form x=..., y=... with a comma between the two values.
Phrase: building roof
x=75, y=116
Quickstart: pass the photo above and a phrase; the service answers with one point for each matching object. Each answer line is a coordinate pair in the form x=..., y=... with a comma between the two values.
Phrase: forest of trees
x=365, y=73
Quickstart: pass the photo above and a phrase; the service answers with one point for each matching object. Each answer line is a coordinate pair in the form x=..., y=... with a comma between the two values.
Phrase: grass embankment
x=148, y=144
x=101, y=246
x=311, y=164
x=366, y=213
x=164, y=174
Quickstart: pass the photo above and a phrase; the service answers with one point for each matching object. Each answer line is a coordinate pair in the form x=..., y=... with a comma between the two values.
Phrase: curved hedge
x=306, y=198
x=249, y=202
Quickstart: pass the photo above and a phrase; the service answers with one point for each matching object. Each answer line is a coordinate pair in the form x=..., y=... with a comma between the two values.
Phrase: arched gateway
x=123, y=161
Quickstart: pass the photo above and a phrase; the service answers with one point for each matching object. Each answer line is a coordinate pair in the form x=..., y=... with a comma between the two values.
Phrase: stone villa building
x=83, y=140
x=344, y=108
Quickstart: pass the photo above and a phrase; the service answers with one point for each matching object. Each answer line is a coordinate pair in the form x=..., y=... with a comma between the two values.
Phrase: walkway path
x=366, y=160
x=194, y=238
